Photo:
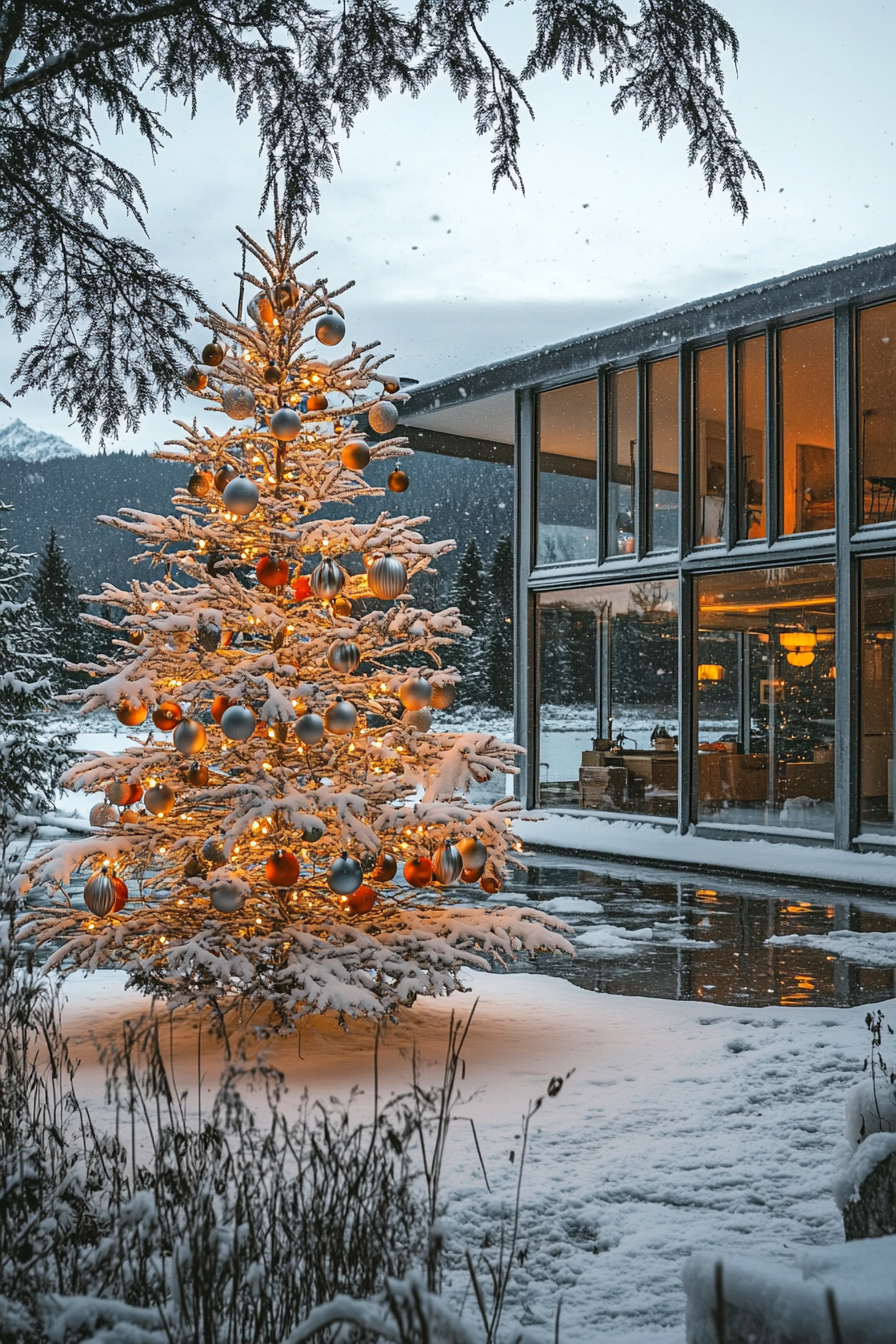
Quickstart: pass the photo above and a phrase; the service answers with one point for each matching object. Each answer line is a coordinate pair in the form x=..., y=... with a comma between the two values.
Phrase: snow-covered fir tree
x=471, y=599
x=56, y=600
x=498, y=652
x=33, y=751
x=283, y=684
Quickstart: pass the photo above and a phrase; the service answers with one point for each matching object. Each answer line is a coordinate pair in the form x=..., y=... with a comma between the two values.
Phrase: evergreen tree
x=56, y=599
x=32, y=753
x=499, y=629
x=471, y=600
x=288, y=759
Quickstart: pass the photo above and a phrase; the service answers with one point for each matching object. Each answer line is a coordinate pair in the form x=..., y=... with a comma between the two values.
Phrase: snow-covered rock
x=19, y=441
x=770, y=1302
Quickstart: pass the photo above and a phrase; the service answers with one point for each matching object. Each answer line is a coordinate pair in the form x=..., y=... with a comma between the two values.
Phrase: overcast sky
x=613, y=224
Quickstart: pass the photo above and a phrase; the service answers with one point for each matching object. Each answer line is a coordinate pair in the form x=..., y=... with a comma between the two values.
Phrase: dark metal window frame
x=826, y=292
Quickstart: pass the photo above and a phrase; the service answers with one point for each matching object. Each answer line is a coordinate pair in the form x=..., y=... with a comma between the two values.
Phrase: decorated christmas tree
x=288, y=825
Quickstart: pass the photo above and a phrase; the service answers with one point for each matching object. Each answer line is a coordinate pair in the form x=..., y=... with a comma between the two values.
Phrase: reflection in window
x=622, y=450
x=750, y=422
x=710, y=392
x=877, y=753
x=662, y=432
x=765, y=685
x=567, y=474
x=608, y=690
x=877, y=412
x=807, y=426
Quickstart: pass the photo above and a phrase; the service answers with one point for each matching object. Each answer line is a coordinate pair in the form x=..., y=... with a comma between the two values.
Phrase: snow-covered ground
x=681, y=1127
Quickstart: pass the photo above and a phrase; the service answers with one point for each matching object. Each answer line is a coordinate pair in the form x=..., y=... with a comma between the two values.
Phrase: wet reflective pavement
x=707, y=935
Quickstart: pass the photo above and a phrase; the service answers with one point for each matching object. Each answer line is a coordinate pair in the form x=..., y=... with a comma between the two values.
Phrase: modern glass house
x=705, y=530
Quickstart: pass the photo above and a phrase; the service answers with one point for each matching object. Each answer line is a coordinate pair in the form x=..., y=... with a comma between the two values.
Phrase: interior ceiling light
x=710, y=672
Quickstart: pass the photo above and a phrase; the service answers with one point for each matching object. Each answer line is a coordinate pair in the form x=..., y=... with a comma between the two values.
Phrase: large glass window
x=876, y=718
x=877, y=412
x=806, y=382
x=662, y=437
x=710, y=454
x=765, y=694
x=608, y=692
x=567, y=474
x=622, y=452
x=750, y=431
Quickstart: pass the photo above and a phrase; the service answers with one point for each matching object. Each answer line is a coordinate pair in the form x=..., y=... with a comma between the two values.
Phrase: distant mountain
x=23, y=444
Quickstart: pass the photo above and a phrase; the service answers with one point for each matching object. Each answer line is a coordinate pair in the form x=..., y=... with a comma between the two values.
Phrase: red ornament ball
x=398, y=481
x=418, y=871
x=282, y=868
x=490, y=885
x=167, y=716
x=271, y=571
x=386, y=867
x=197, y=775
x=362, y=901
x=219, y=705
x=121, y=894
x=301, y=588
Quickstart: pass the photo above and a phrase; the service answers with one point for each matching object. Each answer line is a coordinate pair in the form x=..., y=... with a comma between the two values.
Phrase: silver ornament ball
x=228, y=897
x=340, y=717
x=383, y=417
x=473, y=852
x=345, y=875
x=189, y=737
x=327, y=580
x=238, y=402
x=343, y=656
x=418, y=719
x=309, y=729
x=415, y=693
x=213, y=850
x=99, y=894
x=241, y=496
x=159, y=800
x=447, y=864
x=330, y=329
x=238, y=723
x=286, y=424
x=103, y=814
x=387, y=578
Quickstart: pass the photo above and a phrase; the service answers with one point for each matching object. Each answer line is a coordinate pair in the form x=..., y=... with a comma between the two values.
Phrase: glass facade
x=608, y=711
x=765, y=697
x=806, y=391
x=567, y=474
x=719, y=487
x=662, y=441
x=622, y=453
x=710, y=442
x=877, y=412
x=750, y=419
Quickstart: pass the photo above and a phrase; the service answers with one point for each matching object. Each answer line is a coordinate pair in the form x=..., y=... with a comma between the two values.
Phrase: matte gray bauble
x=345, y=875
x=340, y=717
x=418, y=719
x=238, y=402
x=330, y=329
x=213, y=851
x=343, y=656
x=286, y=424
x=238, y=723
x=228, y=897
x=159, y=800
x=241, y=496
x=327, y=580
x=387, y=578
x=189, y=737
x=415, y=693
x=313, y=832
x=309, y=729
x=383, y=417
x=101, y=814
x=447, y=864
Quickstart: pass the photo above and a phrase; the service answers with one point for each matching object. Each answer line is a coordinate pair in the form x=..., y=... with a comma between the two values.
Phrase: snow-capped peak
x=18, y=440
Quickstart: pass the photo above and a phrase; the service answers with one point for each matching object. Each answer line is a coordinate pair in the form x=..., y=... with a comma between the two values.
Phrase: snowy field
x=683, y=1127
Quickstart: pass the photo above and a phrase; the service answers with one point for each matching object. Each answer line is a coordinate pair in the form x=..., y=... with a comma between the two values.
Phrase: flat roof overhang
x=478, y=404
